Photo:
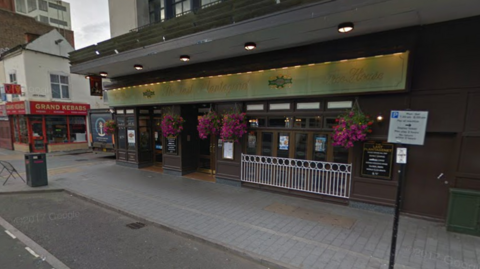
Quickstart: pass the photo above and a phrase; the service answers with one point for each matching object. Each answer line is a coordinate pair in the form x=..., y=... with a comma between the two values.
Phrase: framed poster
x=228, y=150
x=377, y=159
x=283, y=142
x=172, y=145
x=320, y=143
x=131, y=136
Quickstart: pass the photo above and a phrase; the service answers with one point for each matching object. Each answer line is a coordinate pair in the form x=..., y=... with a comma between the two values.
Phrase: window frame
x=59, y=75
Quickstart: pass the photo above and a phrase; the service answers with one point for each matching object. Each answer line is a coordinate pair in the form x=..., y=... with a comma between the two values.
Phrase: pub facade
x=292, y=98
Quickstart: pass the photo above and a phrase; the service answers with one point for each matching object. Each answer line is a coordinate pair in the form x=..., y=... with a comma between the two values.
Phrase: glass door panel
x=37, y=134
x=301, y=146
x=158, y=138
x=267, y=141
x=283, y=145
x=320, y=147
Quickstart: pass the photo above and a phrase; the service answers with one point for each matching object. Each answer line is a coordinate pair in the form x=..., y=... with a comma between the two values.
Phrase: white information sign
x=407, y=127
x=401, y=155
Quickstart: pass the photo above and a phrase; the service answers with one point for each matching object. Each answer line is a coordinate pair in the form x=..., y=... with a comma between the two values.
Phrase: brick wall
x=7, y=4
x=13, y=28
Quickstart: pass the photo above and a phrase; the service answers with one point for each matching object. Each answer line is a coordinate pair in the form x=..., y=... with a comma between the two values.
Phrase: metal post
x=398, y=202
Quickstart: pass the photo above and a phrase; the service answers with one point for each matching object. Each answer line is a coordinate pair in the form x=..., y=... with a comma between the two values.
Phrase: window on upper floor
x=59, y=22
x=32, y=5
x=181, y=6
x=42, y=5
x=210, y=2
x=13, y=78
x=20, y=6
x=43, y=19
x=60, y=86
x=156, y=10
x=59, y=7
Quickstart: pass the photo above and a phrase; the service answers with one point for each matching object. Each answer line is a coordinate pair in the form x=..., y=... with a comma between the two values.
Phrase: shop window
x=60, y=88
x=122, y=139
x=330, y=122
x=130, y=121
x=301, y=140
x=78, y=129
x=320, y=144
x=283, y=122
x=57, y=130
x=310, y=122
x=257, y=122
x=340, y=155
x=23, y=128
x=283, y=145
x=252, y=143
x=267, y=141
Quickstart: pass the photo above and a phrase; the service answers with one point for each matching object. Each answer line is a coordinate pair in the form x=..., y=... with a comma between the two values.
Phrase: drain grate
x=135, y=225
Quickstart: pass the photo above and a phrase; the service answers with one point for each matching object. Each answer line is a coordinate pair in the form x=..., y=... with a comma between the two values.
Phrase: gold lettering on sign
x=355, y=75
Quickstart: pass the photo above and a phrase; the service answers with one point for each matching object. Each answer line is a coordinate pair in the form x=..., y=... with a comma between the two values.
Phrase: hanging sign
x=407, y=127
x=96, y=86
x=377, y=160
x=172, y=145
x=12, y=88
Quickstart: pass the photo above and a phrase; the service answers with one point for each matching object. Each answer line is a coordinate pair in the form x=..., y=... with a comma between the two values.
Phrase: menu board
x=172, y=145
x=377, y=160
x=228, y=150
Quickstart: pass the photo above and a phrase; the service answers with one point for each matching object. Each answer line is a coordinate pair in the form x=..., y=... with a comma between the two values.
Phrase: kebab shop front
x=48, y=126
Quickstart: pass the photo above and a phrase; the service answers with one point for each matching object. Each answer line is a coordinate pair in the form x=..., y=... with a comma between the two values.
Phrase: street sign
x=401, y=155
x=407, y=127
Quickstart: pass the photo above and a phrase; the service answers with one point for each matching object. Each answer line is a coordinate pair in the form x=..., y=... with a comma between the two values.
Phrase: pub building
x=292, y=97
x=47, y=126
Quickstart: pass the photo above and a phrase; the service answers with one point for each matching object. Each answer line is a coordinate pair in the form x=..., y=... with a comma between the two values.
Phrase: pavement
x=275, y=229
x=84, y=236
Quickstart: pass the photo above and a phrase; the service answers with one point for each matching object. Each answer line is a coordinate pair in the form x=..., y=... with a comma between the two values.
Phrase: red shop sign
x=12, y=88
x=3, y=111
x=16, y=108
x=56, y=108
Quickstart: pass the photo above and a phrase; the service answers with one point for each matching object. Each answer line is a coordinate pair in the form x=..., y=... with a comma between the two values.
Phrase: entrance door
x=429, y=176
x=158, y=138
x=206, y=161
x=37, y=135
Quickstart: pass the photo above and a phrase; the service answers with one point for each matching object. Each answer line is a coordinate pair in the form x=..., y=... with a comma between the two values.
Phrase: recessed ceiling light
x=104, y=74
x=184, y=58
x=138, y=67
x=250, y=46
x=345, y=27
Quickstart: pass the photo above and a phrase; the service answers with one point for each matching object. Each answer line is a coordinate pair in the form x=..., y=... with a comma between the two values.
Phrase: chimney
x=29, y=37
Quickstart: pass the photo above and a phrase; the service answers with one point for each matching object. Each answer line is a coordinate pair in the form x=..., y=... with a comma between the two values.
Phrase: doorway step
x=201, y=176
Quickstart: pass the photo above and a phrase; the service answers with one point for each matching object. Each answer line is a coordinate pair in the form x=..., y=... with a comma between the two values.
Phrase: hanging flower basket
x=234, y=126
x=351, y=127
x=172, y=124
x=110, y=127
x=208, y=124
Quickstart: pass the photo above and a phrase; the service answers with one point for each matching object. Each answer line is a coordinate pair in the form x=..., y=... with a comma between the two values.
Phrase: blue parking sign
x=395, y=114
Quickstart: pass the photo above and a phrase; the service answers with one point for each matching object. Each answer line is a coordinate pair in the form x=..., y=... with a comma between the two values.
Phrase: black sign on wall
x=377, y=160
x=172, y=145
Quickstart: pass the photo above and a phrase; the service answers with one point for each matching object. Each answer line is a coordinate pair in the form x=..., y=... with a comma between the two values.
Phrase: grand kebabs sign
x=53, y=108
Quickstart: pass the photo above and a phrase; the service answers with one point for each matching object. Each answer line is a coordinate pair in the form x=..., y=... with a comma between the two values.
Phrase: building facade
x=52, y=12
x=287, y=65
x=45, y=104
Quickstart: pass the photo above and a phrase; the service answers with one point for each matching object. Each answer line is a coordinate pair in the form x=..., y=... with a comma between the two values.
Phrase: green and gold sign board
x=362, y=75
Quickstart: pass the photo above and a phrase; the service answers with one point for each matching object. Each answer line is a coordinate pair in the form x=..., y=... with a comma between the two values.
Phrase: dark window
x=207, y=3
x=20, y=6
x=43, y=19
x=55, y=6
x=256, y=122
x=156, y=9
x=310, y=122
x=64, y=23
x=42, y=5
x=252, y=143
x=340, y=155
x=330, y=122
x=301, y=146
x=180, y=7
x=267, y=141
x=283, y=122
x=59, y=86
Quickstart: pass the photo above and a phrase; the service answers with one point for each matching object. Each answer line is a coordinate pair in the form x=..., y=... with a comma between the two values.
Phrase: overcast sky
x=90, y=21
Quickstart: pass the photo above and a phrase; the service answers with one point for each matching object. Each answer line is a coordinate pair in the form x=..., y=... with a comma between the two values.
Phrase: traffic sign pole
x=401, y=178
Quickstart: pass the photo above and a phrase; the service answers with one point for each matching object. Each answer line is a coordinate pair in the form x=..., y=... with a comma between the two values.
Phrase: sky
x=90, y=21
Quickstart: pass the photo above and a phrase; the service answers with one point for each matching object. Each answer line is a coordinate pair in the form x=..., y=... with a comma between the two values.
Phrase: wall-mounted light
x=345, y=27
x=184, y=58
x=104, y=74
x=138, y=67
x=97, y=52
x=250, y=46
x=87, y=77
x=379, y=117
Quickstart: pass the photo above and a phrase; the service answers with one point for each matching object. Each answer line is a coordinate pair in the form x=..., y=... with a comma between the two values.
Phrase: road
x=84, y=235
x=13, y=254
